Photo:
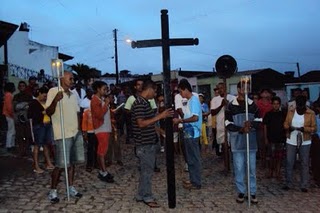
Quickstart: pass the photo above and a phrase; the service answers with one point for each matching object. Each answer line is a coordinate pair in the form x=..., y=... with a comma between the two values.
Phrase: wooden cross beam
x=165, y=42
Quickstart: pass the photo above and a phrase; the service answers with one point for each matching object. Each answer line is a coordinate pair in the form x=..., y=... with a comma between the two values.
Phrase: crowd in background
x=110, y=113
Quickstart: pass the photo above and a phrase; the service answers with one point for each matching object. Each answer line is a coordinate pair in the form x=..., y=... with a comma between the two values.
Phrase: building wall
x=314, y=89
x=213, y=81
x=29, y=54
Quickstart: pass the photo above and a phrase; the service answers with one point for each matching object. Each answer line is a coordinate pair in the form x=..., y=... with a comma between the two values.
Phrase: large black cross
x=165, y=42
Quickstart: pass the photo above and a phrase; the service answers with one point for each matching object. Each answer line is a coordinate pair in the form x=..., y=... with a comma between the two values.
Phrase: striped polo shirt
x=141, y=109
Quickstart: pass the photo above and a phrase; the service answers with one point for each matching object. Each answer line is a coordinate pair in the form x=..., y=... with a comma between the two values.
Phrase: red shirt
x=8, y=105
x=264, y=107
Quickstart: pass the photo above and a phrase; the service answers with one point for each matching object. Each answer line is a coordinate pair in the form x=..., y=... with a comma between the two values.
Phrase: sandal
x=40, y=171
x=186, y=182
x=88, y=169
x=152, y=204
x=50, y=167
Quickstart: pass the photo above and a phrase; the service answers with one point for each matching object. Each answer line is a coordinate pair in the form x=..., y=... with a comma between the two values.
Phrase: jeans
x=11, y=133
x=239, y=166
x=193, y=160
x=147, y=156
x=304, y=159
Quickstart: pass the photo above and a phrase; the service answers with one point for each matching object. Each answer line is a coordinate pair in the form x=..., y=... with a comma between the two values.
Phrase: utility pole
x=116, y=54
x=298, y=68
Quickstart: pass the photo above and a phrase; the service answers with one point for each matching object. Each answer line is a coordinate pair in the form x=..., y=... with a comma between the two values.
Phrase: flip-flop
x=186, y=182
x=89, y=169
x=152, y=204
x=38, y=171
x=50, y=167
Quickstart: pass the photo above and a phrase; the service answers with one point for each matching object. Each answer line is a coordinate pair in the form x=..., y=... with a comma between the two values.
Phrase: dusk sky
x=257, y=33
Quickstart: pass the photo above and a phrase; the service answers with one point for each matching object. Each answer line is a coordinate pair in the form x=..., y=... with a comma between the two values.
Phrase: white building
x=27, y=57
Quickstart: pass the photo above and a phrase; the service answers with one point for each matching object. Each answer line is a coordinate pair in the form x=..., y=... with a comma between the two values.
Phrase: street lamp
x=116, y=53
x=57, y=72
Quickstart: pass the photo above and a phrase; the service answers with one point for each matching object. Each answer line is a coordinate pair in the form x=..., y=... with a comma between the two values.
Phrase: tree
x=85, y=72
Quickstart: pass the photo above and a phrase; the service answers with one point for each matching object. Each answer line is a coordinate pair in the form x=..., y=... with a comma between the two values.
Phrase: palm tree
x=85, y=72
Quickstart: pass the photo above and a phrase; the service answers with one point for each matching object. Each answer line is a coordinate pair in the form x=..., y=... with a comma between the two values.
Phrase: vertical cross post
x=165, y=42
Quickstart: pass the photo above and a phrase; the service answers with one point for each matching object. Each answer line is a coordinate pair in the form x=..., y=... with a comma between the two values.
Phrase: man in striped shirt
x=145, y=138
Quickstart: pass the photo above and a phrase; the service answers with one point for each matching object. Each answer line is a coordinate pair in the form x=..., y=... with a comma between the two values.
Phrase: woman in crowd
x=41, y=128
x=9, y=89
x=300, y=124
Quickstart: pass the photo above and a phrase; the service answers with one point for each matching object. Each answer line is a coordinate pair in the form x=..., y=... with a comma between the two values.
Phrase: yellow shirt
x=46, y=118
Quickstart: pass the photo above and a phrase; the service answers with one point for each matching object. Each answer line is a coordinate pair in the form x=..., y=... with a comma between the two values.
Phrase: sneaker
x=74, y=193
x=186, y=169
x=108, y=178
x=240, y=198
x=53, y=196
x=254, y=199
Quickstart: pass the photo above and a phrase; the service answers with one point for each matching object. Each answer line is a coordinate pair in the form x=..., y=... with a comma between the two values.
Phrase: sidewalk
x=22, y=190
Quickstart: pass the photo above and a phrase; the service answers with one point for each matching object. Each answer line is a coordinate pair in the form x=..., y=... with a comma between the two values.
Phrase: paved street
x=23, y=191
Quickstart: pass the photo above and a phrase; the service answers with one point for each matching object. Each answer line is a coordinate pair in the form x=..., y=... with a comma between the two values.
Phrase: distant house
x=261, y=78
x=26, y=58
x=310, y=81
x=205, y=81
x=177, y=75
x=124, y=76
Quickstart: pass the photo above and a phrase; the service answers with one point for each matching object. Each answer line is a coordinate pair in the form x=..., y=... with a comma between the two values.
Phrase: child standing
x=89, y=135
x=275, y=136
x=101, y=120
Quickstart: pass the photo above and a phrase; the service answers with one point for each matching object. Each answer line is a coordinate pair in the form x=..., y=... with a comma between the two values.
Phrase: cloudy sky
x=257, y=33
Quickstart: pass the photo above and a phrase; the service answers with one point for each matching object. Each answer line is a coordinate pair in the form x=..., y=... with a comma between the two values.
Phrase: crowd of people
x=90, y=118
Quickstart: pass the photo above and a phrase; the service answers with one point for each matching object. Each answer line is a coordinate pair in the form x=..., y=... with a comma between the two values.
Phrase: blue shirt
x=205, y=109
x=193, y=129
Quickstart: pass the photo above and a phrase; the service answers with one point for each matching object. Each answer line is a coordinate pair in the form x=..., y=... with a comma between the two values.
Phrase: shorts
x=74, y=151
x=42, y=134
x=103, y=142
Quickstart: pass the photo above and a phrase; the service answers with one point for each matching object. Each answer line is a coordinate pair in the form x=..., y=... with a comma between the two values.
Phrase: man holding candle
x=73, y=136
x=238, y=127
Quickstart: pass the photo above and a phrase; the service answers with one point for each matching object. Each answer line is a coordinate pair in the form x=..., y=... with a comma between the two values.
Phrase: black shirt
x=275, y=130
x=141, y=109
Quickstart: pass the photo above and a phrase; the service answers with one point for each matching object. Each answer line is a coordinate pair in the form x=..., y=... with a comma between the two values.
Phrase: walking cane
x=57, y=71
x=245, y=84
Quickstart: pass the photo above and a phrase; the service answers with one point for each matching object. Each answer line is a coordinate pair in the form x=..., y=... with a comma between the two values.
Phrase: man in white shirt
x=217, y=105
x=73, y=137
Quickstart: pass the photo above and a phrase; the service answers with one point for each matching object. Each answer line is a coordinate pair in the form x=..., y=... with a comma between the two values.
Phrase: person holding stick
x=72, y=134
x=238, y=126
